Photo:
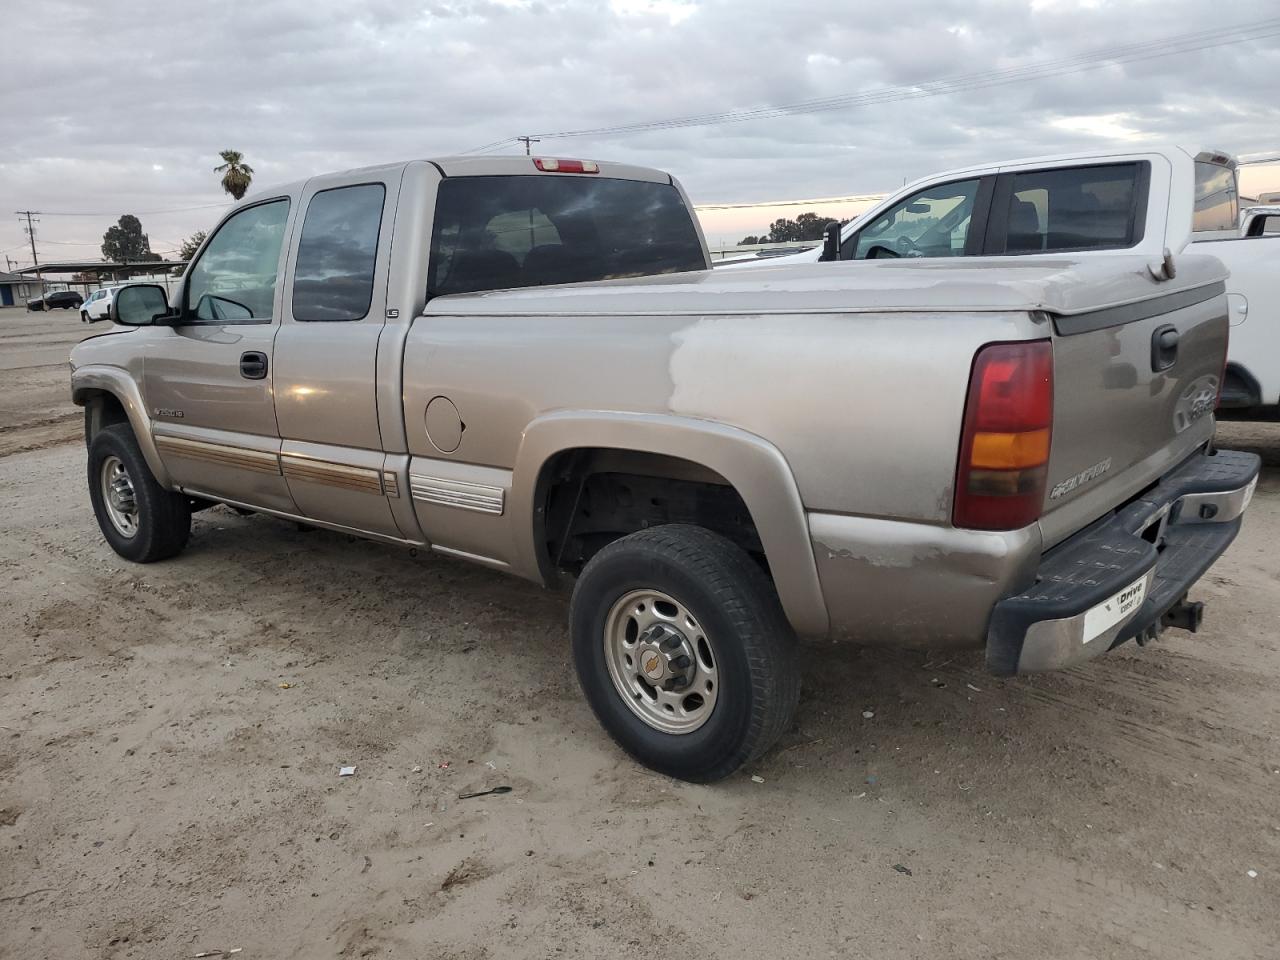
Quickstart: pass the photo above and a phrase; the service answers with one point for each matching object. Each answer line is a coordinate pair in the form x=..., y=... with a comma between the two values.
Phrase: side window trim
x=187, y=316
x=981, y=208
x=998, y=212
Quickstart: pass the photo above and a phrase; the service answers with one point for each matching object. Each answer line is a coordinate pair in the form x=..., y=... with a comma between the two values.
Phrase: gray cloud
x=127, y=110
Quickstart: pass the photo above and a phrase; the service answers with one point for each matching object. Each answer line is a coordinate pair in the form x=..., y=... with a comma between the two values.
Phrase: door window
x=235, y=278
x=333, y=279
x=1075, y=208
x=932, y=223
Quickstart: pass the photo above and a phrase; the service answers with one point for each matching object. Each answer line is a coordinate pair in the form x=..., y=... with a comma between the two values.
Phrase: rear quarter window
x=1217, y=203
x=493, y=233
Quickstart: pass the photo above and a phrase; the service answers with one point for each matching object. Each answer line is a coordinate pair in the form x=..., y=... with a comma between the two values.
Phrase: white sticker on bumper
x=1098, y=620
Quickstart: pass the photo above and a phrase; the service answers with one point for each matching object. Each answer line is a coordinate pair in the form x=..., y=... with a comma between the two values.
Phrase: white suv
x=95, y=305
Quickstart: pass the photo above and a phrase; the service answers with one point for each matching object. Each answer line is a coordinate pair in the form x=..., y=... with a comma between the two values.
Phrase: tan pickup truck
x=525, y=363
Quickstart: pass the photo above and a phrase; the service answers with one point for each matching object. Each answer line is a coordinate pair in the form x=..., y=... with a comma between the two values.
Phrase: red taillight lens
x=1004, y=449
x=555, y=165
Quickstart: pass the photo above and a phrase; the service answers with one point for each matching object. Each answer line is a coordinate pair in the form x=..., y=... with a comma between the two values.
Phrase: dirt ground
x=170, y=739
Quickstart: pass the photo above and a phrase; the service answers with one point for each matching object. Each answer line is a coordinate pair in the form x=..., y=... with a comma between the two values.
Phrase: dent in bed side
x=89, y=379
x=752, y=466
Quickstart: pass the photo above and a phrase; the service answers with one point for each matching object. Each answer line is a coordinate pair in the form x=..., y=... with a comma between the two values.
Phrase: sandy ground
x=163, y=793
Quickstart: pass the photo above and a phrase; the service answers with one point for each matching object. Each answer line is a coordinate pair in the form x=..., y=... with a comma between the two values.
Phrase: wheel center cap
x=653, y=664
x=663, y=654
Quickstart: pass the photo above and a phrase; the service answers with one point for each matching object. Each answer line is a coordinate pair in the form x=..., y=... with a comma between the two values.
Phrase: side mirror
x=138, y=305
x=831, y=241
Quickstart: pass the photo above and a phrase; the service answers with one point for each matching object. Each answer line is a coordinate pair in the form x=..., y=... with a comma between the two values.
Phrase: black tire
x=163, y=518
x=756, y=653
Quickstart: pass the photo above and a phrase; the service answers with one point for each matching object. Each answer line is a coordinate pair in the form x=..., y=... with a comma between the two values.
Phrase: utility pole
x=31, y=234
x=527, y=141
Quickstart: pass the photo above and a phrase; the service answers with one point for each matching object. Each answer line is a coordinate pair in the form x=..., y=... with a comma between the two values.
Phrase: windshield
x=493, y=233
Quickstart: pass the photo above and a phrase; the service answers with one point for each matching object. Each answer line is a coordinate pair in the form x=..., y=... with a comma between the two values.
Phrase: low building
x=16, y=290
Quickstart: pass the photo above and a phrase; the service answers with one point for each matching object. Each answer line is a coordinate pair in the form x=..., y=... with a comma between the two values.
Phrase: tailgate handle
x=1164, y=347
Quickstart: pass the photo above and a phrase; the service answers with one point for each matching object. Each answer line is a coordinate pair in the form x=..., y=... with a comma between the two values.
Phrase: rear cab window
x=498, y=232
x=1217, y=205
x=1071, y=208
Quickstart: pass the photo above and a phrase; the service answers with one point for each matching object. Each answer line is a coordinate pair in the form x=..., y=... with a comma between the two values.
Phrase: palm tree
x=236, y=174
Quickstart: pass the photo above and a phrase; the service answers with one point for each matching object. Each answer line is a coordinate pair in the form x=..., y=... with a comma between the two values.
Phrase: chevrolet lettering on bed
x=527, y=363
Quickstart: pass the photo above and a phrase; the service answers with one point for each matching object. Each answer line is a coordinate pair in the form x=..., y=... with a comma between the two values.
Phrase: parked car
x=1089, y=205
x=99, y=303
x=1010, y=456
x=64, y=299
x=1260, y=221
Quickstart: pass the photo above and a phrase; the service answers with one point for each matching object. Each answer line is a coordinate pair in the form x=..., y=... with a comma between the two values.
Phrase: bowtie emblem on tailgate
x=1080, y=479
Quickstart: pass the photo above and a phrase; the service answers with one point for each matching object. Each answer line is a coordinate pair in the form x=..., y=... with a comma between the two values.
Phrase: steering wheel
x=907, y=247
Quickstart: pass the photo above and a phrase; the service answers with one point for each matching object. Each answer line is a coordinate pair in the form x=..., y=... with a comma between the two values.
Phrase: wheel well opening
x=1240, y=388
x=587, y=498
x=101, y=409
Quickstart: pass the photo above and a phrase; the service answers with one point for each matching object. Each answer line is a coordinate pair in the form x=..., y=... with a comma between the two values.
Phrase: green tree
x=236, y=174
x=126, y=243
x=750, y=239
x=188, y=249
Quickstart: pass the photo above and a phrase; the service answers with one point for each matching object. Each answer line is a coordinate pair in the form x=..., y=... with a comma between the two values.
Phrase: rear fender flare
x=93, y=378
x=755, y=468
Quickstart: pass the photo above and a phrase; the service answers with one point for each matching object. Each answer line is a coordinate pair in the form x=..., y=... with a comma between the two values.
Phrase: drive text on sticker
x=1100, y=619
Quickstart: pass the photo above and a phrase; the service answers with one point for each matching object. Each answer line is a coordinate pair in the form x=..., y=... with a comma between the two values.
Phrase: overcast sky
x=121, y=107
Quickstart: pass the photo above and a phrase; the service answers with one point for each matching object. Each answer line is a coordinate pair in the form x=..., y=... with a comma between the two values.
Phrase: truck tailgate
x=1135, y=383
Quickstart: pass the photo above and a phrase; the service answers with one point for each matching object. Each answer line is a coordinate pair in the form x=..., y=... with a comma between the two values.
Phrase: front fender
x=93, y=378
x=755, y=468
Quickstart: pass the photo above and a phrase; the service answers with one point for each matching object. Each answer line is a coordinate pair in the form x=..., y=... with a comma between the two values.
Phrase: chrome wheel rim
x=118, y=496
x=661, y=661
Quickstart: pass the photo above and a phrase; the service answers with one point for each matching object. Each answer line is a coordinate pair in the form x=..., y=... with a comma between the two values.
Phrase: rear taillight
x=554, y=165
x=1004, y=449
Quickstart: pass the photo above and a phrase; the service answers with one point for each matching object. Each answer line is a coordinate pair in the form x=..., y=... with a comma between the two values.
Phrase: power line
x=139, y=213
x=864, y=198
x=1127, y=53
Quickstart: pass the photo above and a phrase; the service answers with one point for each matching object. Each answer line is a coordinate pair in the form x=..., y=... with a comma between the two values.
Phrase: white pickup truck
x=1150, y=201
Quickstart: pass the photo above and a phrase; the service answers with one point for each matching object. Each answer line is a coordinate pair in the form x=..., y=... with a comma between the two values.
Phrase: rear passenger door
x=326, y=353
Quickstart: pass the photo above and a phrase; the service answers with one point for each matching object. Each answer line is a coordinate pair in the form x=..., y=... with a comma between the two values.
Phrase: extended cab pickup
x=1143, y=202
x=1012, y=456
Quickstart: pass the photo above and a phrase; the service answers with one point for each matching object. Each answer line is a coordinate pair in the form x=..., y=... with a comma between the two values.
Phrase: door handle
x=1164, y=347
x=253, y=365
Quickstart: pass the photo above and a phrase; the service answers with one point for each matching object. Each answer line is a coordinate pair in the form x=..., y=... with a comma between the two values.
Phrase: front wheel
x=141, y=520
x=683, y=651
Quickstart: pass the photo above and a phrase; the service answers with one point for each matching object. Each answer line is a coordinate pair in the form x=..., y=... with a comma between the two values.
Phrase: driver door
x=208, y=377
x=938, y=221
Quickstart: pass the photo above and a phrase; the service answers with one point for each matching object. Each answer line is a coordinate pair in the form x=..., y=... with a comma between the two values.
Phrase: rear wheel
x=683, y=651
x=141, y=520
